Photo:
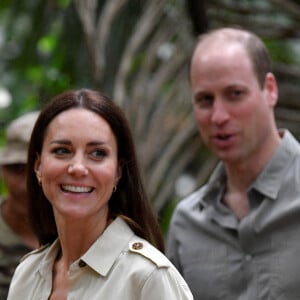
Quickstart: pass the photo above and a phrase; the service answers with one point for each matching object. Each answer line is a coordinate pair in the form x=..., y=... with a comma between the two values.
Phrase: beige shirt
x=119, y=265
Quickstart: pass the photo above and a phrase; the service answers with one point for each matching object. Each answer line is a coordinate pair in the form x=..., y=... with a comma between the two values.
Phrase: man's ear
x=271, y=89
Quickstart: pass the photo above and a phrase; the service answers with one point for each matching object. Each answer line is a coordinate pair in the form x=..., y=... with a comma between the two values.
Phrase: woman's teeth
x=76, y=189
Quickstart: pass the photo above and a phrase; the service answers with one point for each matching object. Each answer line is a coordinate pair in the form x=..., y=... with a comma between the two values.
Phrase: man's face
x=234, y=114
x=14, y=177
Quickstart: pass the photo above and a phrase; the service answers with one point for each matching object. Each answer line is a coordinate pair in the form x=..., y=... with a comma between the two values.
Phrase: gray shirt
x=255, y=258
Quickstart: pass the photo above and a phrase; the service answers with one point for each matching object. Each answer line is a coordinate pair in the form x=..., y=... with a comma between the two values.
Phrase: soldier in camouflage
x=16, y=236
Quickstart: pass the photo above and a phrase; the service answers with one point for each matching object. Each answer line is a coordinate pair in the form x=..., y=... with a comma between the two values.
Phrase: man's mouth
x=223, y=137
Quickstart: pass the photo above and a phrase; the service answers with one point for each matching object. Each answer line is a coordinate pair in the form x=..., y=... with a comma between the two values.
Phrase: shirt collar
x=215, y=186
x=267, y=183
x=101, y=255
x=108, y=247
x=269, y=180
x=212, y=199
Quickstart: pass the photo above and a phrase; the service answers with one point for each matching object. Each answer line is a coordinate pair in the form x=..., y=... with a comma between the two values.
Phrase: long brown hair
x=129, y=201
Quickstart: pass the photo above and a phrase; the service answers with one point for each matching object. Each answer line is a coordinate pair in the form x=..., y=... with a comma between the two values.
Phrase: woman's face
x=78, y=165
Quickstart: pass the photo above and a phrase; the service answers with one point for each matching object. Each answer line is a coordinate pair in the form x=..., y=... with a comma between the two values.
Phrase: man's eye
x=204, y=100
x=236, y=94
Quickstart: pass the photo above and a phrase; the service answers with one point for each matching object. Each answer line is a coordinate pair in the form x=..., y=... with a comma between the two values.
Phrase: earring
x=39, y=180
x=114, y=188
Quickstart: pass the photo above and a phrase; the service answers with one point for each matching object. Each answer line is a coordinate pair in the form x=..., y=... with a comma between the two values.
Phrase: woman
x=90, y=210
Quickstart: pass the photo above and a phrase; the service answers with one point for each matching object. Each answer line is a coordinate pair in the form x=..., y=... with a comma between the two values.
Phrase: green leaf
x=63, y=3
x=46, y=44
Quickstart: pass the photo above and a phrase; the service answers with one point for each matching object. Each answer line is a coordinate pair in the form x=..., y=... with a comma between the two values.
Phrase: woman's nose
x=77, y=168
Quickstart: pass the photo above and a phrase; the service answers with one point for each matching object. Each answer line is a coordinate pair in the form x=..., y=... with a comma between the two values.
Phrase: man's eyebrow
x=201, y=93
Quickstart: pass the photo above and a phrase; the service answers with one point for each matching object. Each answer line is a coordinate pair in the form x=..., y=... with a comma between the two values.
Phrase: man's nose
x=219, y=112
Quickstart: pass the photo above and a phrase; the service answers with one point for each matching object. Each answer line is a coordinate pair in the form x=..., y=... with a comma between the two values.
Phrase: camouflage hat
x=18, y=135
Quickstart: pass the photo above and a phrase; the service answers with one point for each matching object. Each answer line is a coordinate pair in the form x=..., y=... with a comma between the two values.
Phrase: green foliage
x=167, y=215
x=42, y=52
x=47, y=44
x=280, y=51
x=63, y=3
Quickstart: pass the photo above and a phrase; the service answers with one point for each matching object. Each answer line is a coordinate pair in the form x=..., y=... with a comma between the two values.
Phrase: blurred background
x=137, y=52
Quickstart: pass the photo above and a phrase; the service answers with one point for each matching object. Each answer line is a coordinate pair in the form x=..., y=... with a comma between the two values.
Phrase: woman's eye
x=60, y=151
x=98, y=154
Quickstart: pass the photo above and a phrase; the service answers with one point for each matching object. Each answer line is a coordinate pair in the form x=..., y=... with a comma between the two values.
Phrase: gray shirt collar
x=268, y=181
x=266, y=184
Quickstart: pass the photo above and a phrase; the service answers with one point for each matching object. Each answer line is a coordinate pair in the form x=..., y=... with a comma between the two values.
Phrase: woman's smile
x=79, y=163
x=76, y=189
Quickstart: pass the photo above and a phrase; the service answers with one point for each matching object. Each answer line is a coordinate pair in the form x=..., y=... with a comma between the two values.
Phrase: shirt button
x=248, y=257
x=81, y=264
x=137, y=246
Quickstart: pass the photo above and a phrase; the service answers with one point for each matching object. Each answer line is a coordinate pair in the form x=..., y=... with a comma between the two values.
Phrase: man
x=16, y=236
x=237, y=236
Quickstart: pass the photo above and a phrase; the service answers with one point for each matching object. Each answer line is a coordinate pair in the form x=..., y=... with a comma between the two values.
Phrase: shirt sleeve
x=166, y=284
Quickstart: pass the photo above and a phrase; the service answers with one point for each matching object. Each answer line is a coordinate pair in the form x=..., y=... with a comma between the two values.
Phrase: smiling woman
x=90, y=210
x=78, y=168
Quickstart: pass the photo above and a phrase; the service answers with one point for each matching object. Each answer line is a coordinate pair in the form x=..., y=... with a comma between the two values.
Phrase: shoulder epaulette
x=148, y=251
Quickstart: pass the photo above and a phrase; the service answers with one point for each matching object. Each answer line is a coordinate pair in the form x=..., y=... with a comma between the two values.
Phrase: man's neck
x=240, y=176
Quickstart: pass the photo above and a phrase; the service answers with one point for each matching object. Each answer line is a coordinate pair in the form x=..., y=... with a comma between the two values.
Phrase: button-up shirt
x=119, y=265
x=255, y=258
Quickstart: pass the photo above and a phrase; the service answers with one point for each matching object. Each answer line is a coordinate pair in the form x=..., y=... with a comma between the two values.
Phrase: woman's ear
x=37, y=167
